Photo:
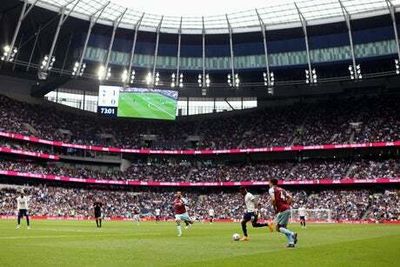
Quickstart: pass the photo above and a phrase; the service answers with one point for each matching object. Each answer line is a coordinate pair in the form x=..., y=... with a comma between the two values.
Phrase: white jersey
x=158, y=212
x=22, y=203
x=211, y=212
x=185, y=202
x=249, y=200
x=302, y=212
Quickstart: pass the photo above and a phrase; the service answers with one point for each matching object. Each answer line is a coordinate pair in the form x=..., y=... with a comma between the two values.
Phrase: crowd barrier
x=50, y=177
x=28, y=153
x=198, y=152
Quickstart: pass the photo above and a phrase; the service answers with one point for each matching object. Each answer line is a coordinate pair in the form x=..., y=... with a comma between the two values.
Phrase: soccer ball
x=235, y=237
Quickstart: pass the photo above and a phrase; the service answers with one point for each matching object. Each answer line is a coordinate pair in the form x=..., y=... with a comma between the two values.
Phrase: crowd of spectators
x=189, y=172
x=58, y=201
x=352, y=120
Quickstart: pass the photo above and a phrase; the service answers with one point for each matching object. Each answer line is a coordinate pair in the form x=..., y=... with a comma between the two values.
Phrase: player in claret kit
x=281, y=201
x=136, y=215
x=180, y=212
x=251, y=214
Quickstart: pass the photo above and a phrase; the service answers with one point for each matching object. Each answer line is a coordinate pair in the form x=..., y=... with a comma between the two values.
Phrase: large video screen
x=145, y=103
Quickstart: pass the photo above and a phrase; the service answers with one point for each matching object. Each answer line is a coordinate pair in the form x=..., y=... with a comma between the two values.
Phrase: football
x=235, y=237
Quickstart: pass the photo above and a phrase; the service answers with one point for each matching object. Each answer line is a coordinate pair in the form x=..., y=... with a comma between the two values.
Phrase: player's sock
x=97, y=223
x=244, y=228
x=100, y=223
x=19, y=220
x=256, y=225
x=27, y=221
x=289, y=234
x=179, y=228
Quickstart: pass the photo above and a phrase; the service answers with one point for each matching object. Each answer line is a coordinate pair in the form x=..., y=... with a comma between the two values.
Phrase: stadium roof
x=275, y=14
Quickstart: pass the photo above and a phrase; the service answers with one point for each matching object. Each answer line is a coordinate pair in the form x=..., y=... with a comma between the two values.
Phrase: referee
x=22, y=205
x=97, y=213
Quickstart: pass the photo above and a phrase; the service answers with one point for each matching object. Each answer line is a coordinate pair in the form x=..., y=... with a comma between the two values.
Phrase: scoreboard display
x=116, y=101
x=108, y=100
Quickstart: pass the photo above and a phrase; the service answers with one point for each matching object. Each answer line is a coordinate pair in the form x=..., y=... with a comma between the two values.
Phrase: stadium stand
x=56, y=201
x=353, y=120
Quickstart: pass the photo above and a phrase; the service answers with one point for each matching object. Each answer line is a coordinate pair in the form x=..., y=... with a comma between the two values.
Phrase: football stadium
x=199, y=133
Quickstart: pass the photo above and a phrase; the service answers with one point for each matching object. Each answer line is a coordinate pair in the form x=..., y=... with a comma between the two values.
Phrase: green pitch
x=146, y=105
x=73, y=243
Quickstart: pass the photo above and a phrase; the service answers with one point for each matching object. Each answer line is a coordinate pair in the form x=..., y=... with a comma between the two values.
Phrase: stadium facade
x=275, y=48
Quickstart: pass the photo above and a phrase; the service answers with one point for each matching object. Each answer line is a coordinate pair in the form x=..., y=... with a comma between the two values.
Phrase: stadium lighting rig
x=233, y=81
x=181, y=80
x=78, y=70
x=271, y=79
x=311, y=78
x=47, y=63
x=152, y=81
x=149, y=78
x=157, y=79
x=355, y=72
x=204, y=80
x=126, y=78
x=103, y=73
x=175, y=81
x=397, y=66
x=8, y=53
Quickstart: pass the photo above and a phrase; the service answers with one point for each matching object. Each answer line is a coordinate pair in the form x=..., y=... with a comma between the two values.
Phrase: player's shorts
x=302, y=218
x=249, y=216
x=283, y=218
x=182, y=217
x=22, y=212
x=97, y=215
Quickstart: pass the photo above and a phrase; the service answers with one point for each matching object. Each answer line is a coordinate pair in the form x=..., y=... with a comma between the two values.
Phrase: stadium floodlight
x=101, y=72
x=237, y=80
x=229, y=80
x=133, y=73
x=233, y=80
x=271, y=79
x=311, y=78
x=124, y=76
x=173, y=80
x=355, y=72
x=157, y=79
x=45, y=61
x=9, y=53
x=200, y=80
x=396, y=63
x=204, y=80
x=208, y=81
x=78, y=70
x=149, y=78
x=181, y=80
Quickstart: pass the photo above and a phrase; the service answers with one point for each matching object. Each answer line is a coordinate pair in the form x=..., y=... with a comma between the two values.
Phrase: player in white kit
x=302, y=216
x=22, y=206
x=158, y=214
x=250, y=214
x=211, y=214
